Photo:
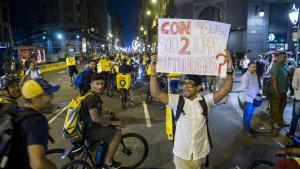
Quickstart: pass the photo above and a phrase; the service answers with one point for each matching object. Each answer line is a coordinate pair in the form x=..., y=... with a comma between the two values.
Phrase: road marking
x=58, y=114
x=147, y=117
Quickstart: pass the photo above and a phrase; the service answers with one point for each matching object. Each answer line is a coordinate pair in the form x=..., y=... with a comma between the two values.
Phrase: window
x=279, y=14
x=211, y=13
x=1, y=36
x=6, y=34
x=4, y=14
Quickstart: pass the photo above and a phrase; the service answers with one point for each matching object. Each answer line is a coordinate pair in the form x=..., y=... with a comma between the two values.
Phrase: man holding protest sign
x=191, y=47
x=191, y=145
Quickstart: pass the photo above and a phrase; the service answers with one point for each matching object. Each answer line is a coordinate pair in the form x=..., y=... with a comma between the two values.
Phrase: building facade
x=249, y=31
x=61, y=27
x=150, y=11
x=5, y=32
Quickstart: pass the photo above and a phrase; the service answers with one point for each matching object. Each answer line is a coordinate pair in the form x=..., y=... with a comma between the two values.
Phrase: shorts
x=72, y=70
x=101, y=134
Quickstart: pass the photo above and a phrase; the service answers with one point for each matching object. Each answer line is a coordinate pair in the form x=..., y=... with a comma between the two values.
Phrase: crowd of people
x=31, y=132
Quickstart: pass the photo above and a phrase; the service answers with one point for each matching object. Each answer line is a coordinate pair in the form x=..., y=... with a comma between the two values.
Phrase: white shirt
x=34, y=74
x=244, y=63
x=296, y=83
x=191, y=138
x=250, y=86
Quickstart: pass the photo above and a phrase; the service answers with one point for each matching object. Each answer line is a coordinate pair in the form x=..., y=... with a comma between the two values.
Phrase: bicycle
x=57, y=154
x=123, y=85
x=110, y=85
x=132, y=152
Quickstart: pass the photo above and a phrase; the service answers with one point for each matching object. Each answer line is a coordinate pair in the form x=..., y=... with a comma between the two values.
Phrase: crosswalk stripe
x=147, y=117
x=58, y=114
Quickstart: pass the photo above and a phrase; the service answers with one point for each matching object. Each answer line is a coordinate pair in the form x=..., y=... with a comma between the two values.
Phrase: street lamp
x=154, y=1
x=148, y=12
x=261, y=13
x=59, y=36
x=77, y=36
x=294, y=15
x=142, y=28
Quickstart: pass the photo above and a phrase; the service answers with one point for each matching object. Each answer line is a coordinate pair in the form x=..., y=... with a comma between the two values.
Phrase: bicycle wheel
x=261, y=164
x=77, y=164
x=124, y=99
x=132, y=151
x=55, y=156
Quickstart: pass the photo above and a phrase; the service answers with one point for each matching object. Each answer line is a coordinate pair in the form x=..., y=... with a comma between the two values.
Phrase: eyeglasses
x=189, y=84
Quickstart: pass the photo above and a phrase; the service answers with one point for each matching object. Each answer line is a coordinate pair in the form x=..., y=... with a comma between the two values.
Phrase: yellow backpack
x=148, y=70
x=170, y=130
x=70, y=61
x=104, y=66
x=73, y=126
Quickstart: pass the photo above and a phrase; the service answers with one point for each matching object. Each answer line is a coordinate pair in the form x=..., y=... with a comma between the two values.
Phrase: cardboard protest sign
x=192, y=46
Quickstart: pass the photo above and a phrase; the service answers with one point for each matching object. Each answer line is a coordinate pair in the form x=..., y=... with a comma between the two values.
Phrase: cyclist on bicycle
x=88, y=71
x=72, y=69
x=30, y=139
x=125, y=68
x=96, y=126
x=10, y=92
x=32, y=73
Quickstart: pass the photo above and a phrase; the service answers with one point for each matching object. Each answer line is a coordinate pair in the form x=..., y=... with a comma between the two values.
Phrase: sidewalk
x=261, y=121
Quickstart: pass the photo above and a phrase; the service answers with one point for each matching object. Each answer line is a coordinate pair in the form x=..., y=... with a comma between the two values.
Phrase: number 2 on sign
x=183, y=50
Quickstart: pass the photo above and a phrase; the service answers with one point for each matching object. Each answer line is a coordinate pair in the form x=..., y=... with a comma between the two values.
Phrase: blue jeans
x=296, y=116
x=248, y=113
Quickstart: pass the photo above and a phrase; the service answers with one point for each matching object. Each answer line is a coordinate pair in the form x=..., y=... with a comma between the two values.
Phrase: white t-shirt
x=191, y=139
x=33, y=74
x=244, y=63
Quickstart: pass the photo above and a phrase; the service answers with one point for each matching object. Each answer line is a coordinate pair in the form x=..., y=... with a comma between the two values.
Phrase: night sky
x=128, y=12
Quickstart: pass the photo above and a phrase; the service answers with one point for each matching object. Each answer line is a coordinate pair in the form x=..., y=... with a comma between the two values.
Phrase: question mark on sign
x=220, y=64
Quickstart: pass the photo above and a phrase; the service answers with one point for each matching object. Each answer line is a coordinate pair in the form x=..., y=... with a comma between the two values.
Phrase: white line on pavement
x=58, y=114
x=146, y=114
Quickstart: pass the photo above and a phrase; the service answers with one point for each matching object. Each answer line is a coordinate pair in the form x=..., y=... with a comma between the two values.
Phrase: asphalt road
x=232, y=148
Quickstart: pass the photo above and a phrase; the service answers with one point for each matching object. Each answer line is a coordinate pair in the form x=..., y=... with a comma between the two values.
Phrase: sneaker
x=114, y=165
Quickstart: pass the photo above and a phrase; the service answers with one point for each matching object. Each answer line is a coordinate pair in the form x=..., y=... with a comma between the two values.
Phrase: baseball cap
x=36, y=87
x=196, y=78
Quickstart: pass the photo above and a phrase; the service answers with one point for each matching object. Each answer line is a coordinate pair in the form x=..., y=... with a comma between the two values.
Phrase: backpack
x=79, y=80
x=180, y=111
x=7, y=124
x=260, y=68
x=73, y=126
x=267, y=86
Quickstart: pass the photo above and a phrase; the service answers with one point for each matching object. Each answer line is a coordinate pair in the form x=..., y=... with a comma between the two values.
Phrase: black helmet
x=7, y=80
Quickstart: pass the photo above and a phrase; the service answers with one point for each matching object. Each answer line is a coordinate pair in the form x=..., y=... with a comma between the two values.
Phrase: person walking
x=250, y=88
x=296, y=106
x=280, y=85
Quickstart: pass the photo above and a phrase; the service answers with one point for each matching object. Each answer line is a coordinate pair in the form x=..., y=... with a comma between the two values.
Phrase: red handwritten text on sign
x=191, y=46
x=181, y=28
